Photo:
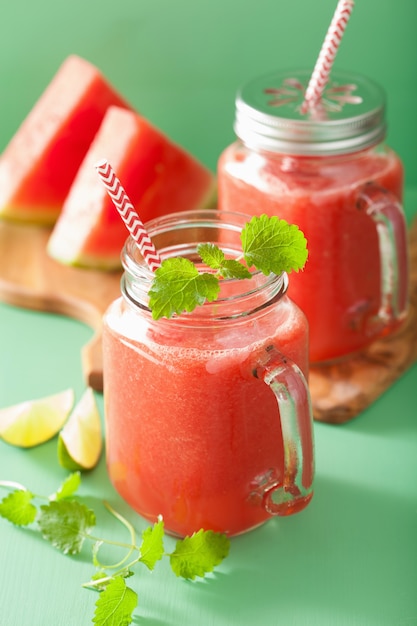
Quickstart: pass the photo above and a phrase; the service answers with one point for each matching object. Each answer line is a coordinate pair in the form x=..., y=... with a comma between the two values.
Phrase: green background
x=350, y=558
x=181, y=62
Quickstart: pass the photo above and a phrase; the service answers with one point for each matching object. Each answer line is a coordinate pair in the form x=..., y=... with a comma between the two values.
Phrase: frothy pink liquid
x=192, y=434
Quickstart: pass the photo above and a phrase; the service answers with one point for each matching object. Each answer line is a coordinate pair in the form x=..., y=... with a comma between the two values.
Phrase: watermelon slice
x=40, y=162
x=159, y=177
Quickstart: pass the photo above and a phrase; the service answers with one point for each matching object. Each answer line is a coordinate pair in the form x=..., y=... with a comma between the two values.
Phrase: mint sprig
x=269, y=244
x=179, y=287
x=67, y=524
x=215, y=258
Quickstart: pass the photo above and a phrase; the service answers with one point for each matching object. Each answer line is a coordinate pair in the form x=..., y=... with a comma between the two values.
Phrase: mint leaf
x=226, y=268
x=211, y=255
x=66, y=524
x=17, y=507
x=178, y=287
x=273, y=245
x=199, y=554
x=115, y=604
x=68, y=487
x=233, y=269
x=152, y=548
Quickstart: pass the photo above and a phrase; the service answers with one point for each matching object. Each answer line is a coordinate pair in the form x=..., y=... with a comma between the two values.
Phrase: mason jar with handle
x=327, y=169
x=208, y=415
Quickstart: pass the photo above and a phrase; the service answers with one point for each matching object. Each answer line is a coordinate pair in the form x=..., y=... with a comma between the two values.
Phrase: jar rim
x=138, y=277
x=232, y=220
x=350, y=116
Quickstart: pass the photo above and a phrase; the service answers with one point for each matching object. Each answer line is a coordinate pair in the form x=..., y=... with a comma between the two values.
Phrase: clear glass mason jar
x=208, y=416
x=328, y=171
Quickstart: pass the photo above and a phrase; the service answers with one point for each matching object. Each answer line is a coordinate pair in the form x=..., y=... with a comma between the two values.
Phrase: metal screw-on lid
x=350, y=116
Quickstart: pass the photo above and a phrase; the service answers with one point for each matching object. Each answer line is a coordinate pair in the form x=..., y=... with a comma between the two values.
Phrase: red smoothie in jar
x=310, y=172
x=193, y=432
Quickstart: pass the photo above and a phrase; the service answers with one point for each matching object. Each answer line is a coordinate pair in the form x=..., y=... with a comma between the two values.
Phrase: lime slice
x=35, y=421
x=80, y=441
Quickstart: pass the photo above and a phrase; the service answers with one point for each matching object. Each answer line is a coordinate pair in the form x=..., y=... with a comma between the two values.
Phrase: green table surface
x=350, y=559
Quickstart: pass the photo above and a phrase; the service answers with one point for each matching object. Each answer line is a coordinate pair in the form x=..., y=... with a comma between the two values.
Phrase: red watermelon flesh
x=39, y=164
x=159, y=177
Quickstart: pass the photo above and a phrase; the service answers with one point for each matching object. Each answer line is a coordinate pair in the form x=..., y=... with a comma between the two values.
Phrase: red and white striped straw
x=133, y=223
x=328, y=51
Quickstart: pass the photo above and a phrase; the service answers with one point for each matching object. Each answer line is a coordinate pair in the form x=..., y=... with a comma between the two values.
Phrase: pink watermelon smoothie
x=191, y=431
x=339, y=289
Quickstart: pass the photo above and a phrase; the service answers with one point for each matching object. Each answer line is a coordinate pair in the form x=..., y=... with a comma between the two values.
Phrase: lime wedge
x=80, y=441
x=35, y=421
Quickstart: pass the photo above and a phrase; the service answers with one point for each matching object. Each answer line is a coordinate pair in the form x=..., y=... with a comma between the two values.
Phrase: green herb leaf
x=66, y=524
x=269, y=244
x=68, y=487
x=152, y=548
x=233, y=269
x=226, y=268
x=199, y=554
x=17, y=507
x=211, y=255
x=115, y=604
x=273, y=245
x=178, y=287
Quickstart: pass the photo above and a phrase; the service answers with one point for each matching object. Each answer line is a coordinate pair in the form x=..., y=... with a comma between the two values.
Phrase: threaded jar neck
x=179, y=234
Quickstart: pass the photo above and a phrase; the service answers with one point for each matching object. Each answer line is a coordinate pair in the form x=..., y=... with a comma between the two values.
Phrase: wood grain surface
x=30, y=278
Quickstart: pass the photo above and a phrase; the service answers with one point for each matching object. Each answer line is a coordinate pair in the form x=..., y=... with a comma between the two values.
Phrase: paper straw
x=328, y=51
x=133, y=223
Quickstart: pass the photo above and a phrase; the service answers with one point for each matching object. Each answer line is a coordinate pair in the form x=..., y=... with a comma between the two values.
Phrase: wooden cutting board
x=30, y=278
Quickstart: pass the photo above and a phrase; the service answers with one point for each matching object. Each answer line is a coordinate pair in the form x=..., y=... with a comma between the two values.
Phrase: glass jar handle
x=387, y=213
x=289, y=385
